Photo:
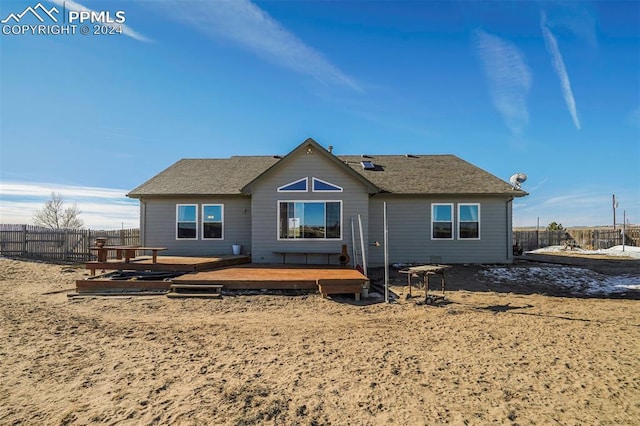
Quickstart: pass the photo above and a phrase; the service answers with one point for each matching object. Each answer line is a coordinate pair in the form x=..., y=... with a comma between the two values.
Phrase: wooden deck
x=329, y=280
x=280, y=277
x=169, y=263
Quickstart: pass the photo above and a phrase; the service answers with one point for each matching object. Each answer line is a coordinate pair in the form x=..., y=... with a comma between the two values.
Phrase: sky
x=549, y=89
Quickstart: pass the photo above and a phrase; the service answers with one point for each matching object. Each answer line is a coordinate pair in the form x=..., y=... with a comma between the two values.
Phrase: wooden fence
x=586, y=238
x=58, y=244
x=73, y=244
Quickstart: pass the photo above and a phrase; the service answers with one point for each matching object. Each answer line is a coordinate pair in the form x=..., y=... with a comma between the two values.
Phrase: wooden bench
x=306, y=255
x=130, y=252
x=127, y=252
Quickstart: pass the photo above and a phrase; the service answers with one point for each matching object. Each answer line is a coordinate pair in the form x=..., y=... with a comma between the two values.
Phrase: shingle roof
x=208, y=176
x=399, y=174
x=429, y=174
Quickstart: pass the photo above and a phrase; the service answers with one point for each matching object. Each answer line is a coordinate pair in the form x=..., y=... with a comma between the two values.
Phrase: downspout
x=509, y=230
x=143, y=222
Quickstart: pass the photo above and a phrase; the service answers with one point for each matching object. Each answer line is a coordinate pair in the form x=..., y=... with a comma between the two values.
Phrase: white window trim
x=479, y=221
x=176, y=222
x=325, y=219
x=221, y=221
x=306, y=181
x=313, y=181
x=433, y=205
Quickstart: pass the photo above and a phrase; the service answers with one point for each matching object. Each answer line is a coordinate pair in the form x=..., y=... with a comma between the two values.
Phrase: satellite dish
x=517, y=180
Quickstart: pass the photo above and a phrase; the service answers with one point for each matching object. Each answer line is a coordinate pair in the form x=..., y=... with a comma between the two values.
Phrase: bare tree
x=55, y=215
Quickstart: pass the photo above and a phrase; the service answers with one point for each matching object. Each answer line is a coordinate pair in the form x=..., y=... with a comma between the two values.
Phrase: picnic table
x=122, y=252
x=424, y=272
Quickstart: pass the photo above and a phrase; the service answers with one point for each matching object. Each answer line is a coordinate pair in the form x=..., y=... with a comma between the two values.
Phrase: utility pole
x=624, y=227
x=614, y=212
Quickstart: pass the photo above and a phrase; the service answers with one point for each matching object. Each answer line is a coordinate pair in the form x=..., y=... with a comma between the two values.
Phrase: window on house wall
x=212, y=221
x=310, y=220
x=299, y=185
x=319, y=185
x=187, y=221
x=468, y=221
x=442, y=221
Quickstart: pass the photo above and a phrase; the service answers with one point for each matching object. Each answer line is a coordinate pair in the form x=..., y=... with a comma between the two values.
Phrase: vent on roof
x=411, y=156
x=368, y=165
x=277, y=156
x=365, y=156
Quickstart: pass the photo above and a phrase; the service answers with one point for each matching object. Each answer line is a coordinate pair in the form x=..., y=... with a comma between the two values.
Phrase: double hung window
x=212, y=220
x=187, y=222
x=469, y=221
x=442, y=221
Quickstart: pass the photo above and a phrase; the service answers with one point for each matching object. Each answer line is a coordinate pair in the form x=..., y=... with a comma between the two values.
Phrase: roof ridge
x=372, y=156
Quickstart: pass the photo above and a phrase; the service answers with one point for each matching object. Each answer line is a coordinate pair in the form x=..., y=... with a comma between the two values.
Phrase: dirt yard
x=496, y=352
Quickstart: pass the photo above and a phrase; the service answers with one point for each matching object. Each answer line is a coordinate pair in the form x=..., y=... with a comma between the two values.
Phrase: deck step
x=197, y=286
x=115, y=293
x=174, y=295
x=209, y=291
x=337, y=286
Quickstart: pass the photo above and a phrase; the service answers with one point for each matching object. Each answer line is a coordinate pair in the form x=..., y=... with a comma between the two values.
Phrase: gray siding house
x=440, y=208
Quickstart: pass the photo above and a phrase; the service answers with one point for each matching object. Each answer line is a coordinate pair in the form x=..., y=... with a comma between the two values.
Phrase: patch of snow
x=576, y=280
x=626, y=251
x=620, y=251
x=403, y=265
x=375, y=295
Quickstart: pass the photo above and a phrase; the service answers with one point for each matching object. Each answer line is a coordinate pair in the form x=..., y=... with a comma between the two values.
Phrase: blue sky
x=549, y=89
